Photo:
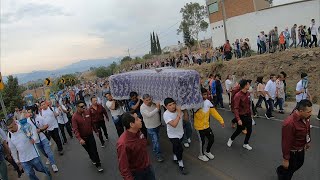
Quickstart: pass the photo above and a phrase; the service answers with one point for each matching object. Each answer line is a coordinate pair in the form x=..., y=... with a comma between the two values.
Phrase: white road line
x=274, y=119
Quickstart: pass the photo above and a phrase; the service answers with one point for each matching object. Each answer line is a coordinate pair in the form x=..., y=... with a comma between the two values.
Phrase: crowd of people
x=82, y=110
x=275, y=41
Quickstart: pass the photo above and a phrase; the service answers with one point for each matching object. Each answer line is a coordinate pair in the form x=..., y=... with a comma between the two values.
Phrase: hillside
x=293, y=62
x=81, y=66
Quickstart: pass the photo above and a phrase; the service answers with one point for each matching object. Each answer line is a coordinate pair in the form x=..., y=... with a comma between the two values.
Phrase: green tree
x=125, y=59
x=103, y=72
x=113, y=67
x=188, y=40
x=151, y=44
x=11, y=95
x=154, y=44
x=147, y=56
x=158, y=46
x=193, y=20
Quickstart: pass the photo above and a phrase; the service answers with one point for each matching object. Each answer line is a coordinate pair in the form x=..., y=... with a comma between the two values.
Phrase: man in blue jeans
x=23, y=149
x=42, y=143
x=151, y=118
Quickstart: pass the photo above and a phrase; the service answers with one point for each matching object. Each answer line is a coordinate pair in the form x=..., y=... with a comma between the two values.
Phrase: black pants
x=262, y=98
x=295, y=162
x=318, y=114
x=270, y=107
x=219, y=101
x=69, y=130
x=246, y=123
x=206, y=133
x=177, y=147
x=144, y=129
x=91, y=148
x=54, y=134
x=119, y=127
x=101, y=126
x=145, y=174
x=314, y=40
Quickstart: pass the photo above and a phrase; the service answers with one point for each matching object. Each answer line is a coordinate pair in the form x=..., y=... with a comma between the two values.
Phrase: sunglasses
x=83, y=106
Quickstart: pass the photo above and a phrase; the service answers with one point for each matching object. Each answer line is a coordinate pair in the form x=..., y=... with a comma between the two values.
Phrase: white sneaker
x=246, y=146
x=54, y=168
x=203, y=158
x=186, y=145
x=229, y=143
x=209, y=155
x=50, y=143
x=189, y=140
x=318, y=118
x=47, y=162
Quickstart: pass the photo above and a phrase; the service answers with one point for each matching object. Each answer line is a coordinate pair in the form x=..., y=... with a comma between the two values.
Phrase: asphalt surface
x=233, y=163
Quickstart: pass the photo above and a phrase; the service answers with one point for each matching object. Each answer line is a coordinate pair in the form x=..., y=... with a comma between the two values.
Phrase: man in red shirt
x=98, y=112
x=82, y=126
x=242, y=112
x=295, y=139
x=134, y=160
x=227, y=50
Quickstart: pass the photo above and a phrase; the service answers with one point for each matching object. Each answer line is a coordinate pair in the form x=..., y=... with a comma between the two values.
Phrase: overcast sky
x=49, y=34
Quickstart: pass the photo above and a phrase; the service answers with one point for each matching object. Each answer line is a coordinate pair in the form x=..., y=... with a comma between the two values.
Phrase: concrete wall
x=251, y=24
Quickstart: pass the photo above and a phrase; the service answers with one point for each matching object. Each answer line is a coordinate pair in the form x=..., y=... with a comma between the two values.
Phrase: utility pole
x=129, y=52
x=224, y=20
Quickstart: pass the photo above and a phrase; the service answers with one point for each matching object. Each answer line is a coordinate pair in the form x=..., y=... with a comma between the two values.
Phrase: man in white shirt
x=23, y=149
x=314, y=32
x=151, y=118
x=53, y=129
x=270, y=91
x=302, y=89
x=63, y=121
x=116, y=112
x=173, y=118
x=42, y=143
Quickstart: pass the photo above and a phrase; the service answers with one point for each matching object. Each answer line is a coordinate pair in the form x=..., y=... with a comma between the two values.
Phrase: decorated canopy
x=181, y=85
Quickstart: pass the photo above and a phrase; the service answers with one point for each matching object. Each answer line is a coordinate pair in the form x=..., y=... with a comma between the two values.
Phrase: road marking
x=273, y=119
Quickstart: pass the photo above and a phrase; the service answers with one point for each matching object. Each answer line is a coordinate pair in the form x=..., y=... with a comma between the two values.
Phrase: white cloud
x=46, y=34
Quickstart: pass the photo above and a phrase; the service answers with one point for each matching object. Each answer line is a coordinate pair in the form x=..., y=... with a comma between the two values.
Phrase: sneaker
x=50, y=143
x=281, y=112
x=186, y=145
x=160, y=159
x=229, y=143
x=54, y=168
x=102, y=145
x=47, y=162
x=61, y=153
x=271, y=117
x=189, y=140
x=318, y=118
x=183, y=170
x=209, y=155
x=99, y=169
x=256, y=115
x=266, y=116
x=203, y=158
x=246, y=146
x=94, y=163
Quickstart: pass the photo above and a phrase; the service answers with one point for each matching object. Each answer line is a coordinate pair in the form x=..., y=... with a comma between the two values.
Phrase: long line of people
x=137, y=117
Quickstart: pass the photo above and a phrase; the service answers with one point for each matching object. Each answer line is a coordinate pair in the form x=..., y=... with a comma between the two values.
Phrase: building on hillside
x=247, y=18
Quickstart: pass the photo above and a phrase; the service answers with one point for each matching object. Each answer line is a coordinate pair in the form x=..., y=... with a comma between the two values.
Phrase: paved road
x=233, y=163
